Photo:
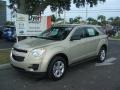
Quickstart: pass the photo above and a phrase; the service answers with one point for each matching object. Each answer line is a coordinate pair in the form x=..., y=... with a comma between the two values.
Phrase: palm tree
x=90, y=20
x=78, y=19
x=110, y=20
x=94, y=22
x=102, y=19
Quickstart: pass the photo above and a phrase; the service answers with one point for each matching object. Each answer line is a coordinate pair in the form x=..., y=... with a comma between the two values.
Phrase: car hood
x=32, y=43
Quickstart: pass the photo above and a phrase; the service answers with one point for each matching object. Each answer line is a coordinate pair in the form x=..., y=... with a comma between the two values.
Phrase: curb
x=5, y=49
x=5, y=66
x=114, y=39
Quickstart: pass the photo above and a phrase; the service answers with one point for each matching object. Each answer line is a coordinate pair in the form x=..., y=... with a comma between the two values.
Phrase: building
x=2, y=12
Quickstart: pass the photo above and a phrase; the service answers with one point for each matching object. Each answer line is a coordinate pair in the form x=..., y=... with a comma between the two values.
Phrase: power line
x=91, y=11
x=96, y=10
x=101, y=10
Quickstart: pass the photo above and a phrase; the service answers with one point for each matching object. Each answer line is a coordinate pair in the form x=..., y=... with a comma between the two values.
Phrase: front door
x=77, y=45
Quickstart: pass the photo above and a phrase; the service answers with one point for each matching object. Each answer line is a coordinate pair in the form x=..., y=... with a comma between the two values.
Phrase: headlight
x=38, y=52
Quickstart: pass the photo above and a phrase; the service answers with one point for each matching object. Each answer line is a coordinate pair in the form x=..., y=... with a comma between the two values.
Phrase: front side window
x=56, y=33
x=78, y=34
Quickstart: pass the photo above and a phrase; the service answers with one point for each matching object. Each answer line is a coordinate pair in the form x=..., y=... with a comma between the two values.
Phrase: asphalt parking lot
x=5, y=44
x=85, y=76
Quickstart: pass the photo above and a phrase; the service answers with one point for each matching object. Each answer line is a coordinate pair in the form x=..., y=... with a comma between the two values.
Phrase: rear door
x=92, y=39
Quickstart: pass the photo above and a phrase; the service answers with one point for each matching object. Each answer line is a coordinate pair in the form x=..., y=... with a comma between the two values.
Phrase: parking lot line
x=5, y=66
x=108, y=61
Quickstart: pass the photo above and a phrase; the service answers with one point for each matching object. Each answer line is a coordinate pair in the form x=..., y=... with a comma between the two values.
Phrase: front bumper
x=29, y=73
x=26, y=65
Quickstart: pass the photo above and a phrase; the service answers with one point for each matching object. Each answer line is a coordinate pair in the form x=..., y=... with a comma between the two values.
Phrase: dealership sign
x=31, y=25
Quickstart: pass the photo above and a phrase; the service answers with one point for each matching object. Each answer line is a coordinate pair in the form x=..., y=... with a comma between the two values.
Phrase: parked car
x=55, y=49
x=9, y=33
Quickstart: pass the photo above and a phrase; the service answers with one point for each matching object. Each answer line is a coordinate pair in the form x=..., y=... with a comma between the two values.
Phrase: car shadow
x=71, y=69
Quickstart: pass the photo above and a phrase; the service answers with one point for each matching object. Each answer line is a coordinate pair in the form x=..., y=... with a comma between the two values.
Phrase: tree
x=1, y=4
x=71, y=20
x=75, y=20
x=102, y=19
x=116, y=21
x=92, y=21
x=110, y=19
x=91, y=3
x=53, y=18
x=38, y=6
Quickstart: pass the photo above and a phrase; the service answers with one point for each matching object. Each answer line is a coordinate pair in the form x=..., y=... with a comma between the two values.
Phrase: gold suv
x=55, y=49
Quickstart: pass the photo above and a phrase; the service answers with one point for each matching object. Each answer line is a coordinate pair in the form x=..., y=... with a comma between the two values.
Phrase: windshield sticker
x=91, y=32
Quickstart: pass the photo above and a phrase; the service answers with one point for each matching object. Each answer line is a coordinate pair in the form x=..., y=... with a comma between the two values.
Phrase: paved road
x=85, y=76
x=5, y=44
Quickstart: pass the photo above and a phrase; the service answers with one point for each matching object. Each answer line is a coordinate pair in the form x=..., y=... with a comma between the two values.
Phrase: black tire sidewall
x=50, y=68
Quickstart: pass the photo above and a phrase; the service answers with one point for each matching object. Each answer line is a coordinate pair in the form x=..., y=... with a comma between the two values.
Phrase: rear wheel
x=57, y=68
x=102, y=55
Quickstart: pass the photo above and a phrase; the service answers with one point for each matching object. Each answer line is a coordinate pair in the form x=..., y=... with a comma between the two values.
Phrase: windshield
x=56, y=33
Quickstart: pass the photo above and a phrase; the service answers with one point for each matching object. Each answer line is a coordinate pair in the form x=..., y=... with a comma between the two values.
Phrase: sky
x=111, y=8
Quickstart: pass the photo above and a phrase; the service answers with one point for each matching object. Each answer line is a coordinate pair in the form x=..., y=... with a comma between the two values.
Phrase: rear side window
x=91, y=32
x=85, y=32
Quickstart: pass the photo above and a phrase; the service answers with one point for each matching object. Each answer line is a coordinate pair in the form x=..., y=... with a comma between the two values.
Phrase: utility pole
x=86, y=10
x=64, y=16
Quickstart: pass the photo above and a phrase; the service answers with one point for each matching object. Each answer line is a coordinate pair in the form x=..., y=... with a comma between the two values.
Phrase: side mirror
x=75, y=38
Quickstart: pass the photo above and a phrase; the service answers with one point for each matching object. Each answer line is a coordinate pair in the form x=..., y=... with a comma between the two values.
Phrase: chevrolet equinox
x=55, y=49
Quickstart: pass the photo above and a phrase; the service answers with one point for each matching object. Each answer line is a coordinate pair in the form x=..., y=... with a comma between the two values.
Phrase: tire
x=102, y=55
x=57, y=68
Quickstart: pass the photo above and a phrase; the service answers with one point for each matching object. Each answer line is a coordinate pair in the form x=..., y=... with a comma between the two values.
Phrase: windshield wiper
x=48, y=38
x=41, y=37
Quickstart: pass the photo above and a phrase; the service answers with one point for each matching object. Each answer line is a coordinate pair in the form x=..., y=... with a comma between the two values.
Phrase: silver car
x=55, y=49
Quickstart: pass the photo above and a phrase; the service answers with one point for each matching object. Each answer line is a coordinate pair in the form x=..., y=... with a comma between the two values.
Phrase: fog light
x=34, y=66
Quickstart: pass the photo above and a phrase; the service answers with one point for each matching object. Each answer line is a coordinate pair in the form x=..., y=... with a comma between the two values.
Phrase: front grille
x=18, y=58
x=20, y=50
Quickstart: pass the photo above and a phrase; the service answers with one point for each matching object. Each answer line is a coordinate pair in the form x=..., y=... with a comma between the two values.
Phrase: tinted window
x=56, y=33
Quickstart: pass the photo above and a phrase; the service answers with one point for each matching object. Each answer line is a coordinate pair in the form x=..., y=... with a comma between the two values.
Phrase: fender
x=102, y=42
x=49, y=55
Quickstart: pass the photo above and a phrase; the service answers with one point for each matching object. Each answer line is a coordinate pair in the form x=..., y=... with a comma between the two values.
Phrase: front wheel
x=102, y=55
x=57, y=68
